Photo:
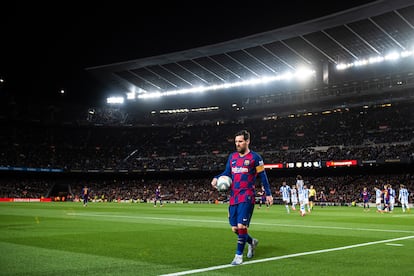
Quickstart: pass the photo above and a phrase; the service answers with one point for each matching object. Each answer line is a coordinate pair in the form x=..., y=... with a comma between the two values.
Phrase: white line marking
x=286, y=256
x=403, y=216
x=338, y=228
x=255, y=223
x=394, y=244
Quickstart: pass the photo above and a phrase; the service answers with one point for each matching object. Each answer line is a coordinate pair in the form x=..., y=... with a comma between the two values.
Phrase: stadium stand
x=361, y=114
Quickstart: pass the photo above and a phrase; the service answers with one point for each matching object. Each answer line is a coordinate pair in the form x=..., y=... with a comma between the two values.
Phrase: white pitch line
x=403, y=215
x=339, y=228
x=286, y=256
x=255, y=223
x=394, y=244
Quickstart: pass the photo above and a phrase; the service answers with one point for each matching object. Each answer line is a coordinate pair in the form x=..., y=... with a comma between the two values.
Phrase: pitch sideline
x=286, y=256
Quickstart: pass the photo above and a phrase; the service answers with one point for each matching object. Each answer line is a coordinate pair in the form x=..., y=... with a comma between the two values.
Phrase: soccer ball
x=223, y=183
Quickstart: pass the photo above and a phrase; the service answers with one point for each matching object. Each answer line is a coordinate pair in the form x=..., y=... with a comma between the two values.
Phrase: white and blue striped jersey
x=392, y=195
x=299, y=186
x=378, y=193
x=403, y=195
x=305, y=193
x=285, y=191
x=294, y=195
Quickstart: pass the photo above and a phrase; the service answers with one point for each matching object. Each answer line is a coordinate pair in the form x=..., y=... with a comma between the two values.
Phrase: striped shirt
x=403, y=195
x=244, y=170
x=285, y=191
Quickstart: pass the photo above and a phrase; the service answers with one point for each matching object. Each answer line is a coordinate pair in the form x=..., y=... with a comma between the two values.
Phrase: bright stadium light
x=392, y=56
x=131, y=95
x=303, y=74
x=300, y=74
x=115, y=100
x=406, y=54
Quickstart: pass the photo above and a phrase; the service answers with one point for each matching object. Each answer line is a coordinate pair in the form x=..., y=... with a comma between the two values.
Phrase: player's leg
x=251, y=242
x=378, y=204
x=306, y=204
x=302, y=207
x=240, y=215
x=406, y=206
x=287, y=206
x=233, y=218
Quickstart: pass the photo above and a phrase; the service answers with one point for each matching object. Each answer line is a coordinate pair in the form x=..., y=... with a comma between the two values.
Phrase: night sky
x=46, y=47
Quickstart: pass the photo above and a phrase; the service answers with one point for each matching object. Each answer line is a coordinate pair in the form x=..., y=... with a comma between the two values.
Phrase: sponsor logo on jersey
x=239, y=170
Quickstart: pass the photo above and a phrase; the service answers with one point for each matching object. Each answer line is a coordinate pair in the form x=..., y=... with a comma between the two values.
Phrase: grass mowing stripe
x=253, y=223
x=19, y=260
x=286, y=256
x=189, y=237
x=338, y=228
x=150, y=218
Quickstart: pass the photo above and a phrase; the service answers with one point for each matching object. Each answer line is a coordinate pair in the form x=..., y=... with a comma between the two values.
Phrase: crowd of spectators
x=26, y=188
x=375, y=133
x=110, y=140
x=339, y=190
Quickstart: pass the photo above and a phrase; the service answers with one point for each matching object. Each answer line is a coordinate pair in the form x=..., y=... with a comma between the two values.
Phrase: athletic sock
x=241, y=241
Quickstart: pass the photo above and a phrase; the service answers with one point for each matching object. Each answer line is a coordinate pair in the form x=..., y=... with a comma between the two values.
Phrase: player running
x=294, y=197
x=285, y=192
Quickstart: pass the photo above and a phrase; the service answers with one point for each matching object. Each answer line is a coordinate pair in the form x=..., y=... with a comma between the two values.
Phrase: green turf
x=138, y=239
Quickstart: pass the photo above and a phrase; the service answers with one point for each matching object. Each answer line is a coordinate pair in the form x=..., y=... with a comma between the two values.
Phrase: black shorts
x=312, y=198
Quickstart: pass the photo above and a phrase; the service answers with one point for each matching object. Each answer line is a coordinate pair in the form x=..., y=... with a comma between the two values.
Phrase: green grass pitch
x=187, y=239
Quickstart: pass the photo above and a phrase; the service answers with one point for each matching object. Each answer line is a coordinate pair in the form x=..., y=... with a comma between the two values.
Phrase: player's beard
x=241, y=149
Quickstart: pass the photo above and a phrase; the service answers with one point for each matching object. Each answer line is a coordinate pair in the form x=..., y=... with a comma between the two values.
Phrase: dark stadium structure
x=373, y=29
x=342, y=124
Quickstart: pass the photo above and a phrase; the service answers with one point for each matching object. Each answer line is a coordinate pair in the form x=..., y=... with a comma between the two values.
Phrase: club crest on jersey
x=246, y=163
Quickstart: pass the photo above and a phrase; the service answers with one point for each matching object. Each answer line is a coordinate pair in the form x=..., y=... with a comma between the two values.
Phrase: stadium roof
x=369, y=30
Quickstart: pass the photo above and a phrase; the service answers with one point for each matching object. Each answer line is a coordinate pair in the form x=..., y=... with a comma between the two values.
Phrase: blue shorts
x=241, y=213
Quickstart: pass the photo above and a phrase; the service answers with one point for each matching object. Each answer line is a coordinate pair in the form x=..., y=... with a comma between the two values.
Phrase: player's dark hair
x=299, y=177
x=244, y=133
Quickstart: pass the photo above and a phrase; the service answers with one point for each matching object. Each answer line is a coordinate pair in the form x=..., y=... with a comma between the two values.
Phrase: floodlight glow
x=115, y=100
x=131, y=95
x=361, y=62
x=304, y=74
x=299, y=74
x=375, y=59
x=392, y=56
